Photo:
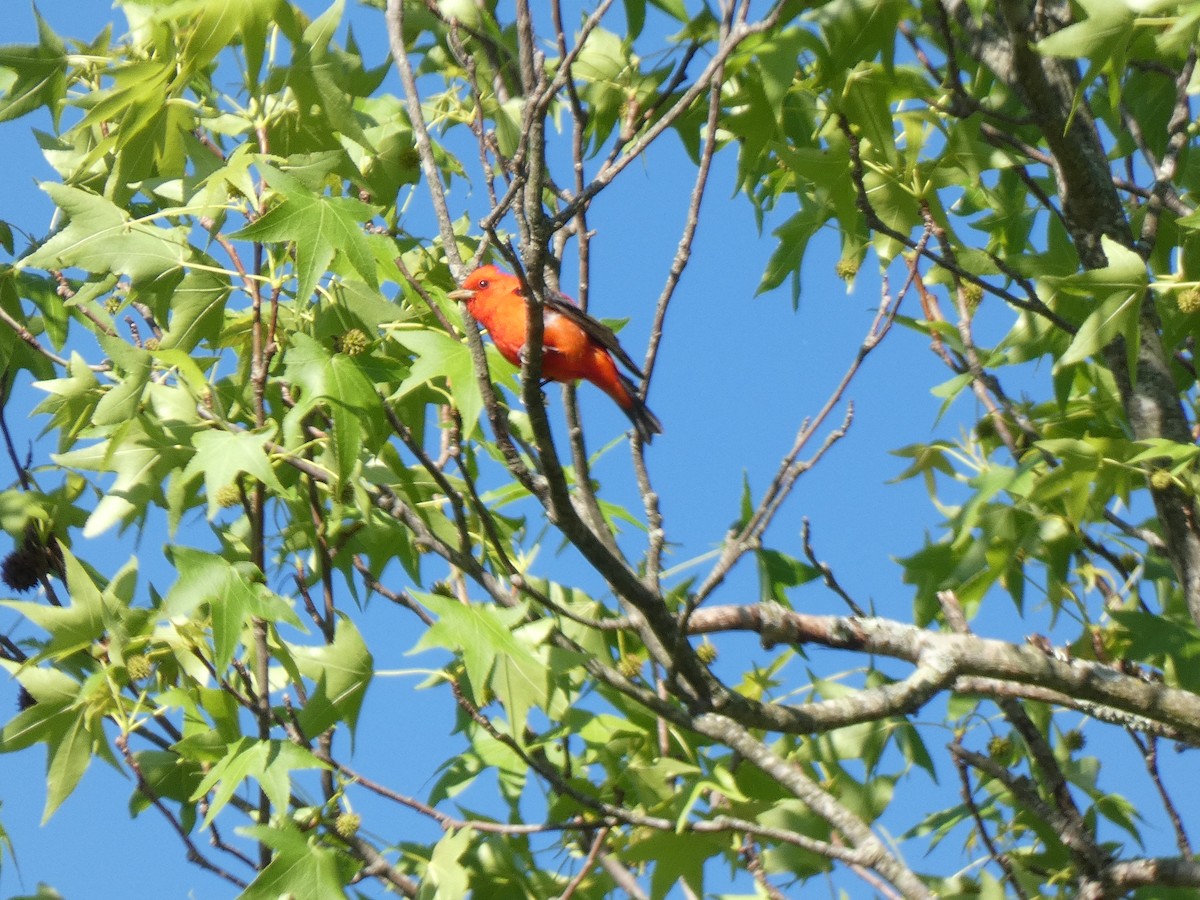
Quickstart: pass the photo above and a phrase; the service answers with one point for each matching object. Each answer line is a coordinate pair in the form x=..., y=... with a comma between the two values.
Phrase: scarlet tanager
x=574, y=345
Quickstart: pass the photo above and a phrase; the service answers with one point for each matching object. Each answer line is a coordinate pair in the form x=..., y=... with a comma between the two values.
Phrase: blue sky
x=736, y=377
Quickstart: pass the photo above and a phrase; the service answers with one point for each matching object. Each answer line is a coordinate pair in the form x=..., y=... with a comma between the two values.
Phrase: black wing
x=594, y=328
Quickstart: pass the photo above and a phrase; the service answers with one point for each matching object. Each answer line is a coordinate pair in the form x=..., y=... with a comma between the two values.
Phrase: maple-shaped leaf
x=41, y=74
x=101, y=237
x=319, y=226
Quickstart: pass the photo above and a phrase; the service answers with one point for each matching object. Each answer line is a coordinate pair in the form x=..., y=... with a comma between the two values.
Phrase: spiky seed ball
x=985, y=428
x=1161, y=479
x=113, y=305
x=846, y=269
x=972, y=294
x=706, y=653
x=137, y=667
x=1074, y=740
x=22, y=568
x=1000, y=748
x=229, y=495
x=347, y=824
x=630, y=666
x=352, y=343
x=1188, y=301
x=151, y=344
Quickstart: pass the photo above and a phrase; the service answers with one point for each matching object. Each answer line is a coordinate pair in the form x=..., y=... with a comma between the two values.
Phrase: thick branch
x=965, y=655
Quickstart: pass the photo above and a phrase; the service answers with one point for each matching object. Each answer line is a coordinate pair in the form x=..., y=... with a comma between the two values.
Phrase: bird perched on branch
x=574, y=345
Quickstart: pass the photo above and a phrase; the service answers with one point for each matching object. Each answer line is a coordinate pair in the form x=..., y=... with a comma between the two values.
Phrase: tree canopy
x=237, y=342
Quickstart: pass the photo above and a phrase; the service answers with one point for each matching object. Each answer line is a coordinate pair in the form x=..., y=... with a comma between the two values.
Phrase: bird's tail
x=643, y=420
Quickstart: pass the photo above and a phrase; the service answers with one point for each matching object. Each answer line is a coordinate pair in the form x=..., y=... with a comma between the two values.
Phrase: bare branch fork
x=965, y=662
x=749, y=535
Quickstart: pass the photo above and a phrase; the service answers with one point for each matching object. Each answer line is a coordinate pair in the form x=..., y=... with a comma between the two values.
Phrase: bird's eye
x=483, y=283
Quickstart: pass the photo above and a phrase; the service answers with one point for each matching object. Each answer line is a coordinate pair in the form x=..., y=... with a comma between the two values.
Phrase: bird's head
x=481, y=279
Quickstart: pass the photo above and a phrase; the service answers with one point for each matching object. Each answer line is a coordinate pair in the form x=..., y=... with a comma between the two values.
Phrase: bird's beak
x=461, y=295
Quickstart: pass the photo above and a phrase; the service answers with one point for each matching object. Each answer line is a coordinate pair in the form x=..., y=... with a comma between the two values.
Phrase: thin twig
x=1003, y=860
x=748, y=536
x=589, y=863
x=827, y=575
x=684, y=103
x=193, y=852
x=1149, y=753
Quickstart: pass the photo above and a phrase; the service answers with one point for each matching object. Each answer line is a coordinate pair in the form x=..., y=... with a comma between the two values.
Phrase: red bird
x=574, y=345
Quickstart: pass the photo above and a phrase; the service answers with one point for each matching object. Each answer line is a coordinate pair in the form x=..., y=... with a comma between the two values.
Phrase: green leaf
x=778, y=572
x=602, y=58
x=326, y=79
x=675, y=857
x=1114, y=316
x=141, y=462
x=856, y=30
x=440, y=356
x=40, y=74
x=306, y=366
x=301, y=868
x=368, y=305
x=489, y=641
x=776, y=56
x=793, y=237
x=69, y=759
x=320, y=227
x=270, y=763
x=1161, y=449
x=140, y=133
x=1101, y=36
x=77, y=624
x=355, y=402
x=44, y=722
x=169, y=775
x=347, y=387
x=122, y=401
x=676, y=9
x=49, y=687
x=1119, y=288
x=233, y=600
x=635, y=17
x=508, y=116
x=224, y=455
x=190, y=374
x=445, y=871
x=342, y=671
x=101, y=237
x=1155, y=636
x=1075, y=455
x=208, y=27
x=196, y=312
x=6, y=847
x=215, y=180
